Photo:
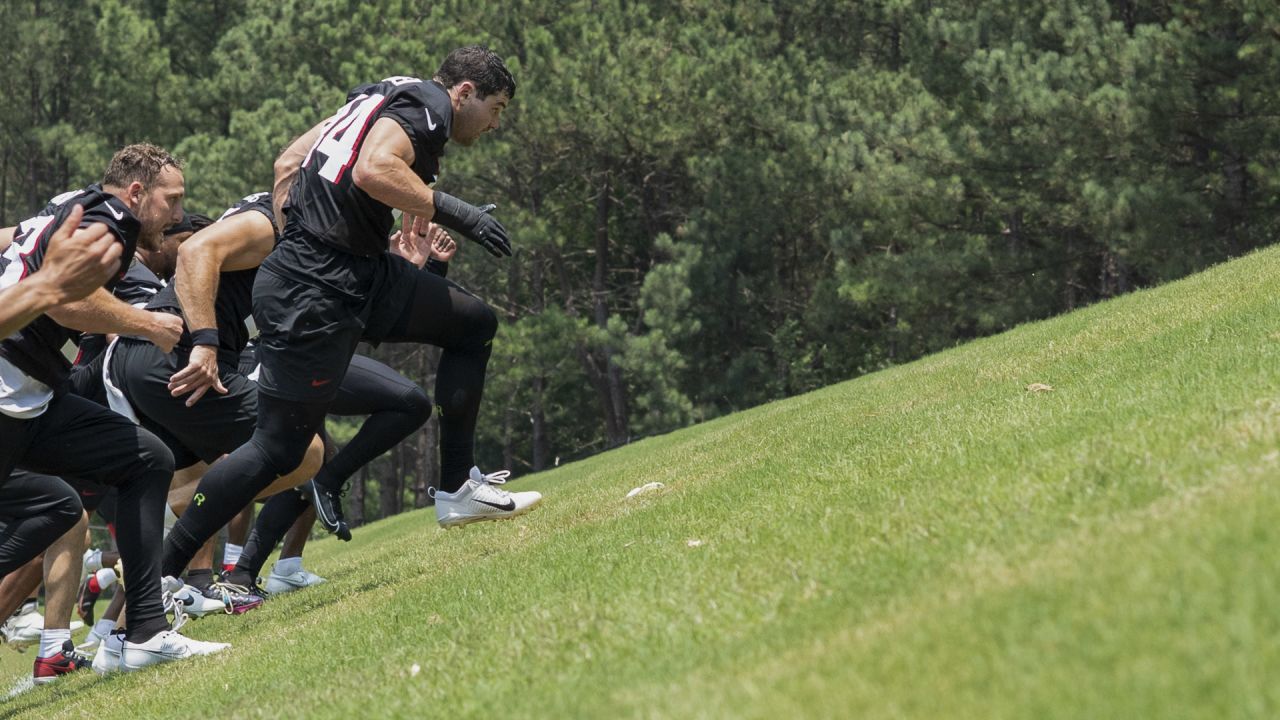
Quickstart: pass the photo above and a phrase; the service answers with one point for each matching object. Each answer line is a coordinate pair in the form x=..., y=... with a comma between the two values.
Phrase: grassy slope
x=928, y=541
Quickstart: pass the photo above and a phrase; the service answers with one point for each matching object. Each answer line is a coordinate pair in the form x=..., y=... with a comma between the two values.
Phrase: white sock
x=231, y=554
x=103, y=627
x=51, y=641
x=169, y=518
x=288, y=566
x=114, y=641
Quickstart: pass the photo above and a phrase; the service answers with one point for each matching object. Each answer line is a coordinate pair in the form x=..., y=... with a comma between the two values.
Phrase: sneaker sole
x=451, y=521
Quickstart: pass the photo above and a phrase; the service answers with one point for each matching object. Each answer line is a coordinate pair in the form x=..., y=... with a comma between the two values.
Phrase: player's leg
x=288, y=574
x=36, y=509
x=396, y=408
x=83, y=440
x=237, y=534
x=307, y=342
x=62, y=562
x=438, y=312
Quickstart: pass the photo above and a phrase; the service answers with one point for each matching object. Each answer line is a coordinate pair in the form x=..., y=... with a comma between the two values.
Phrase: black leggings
x=438, y=313
x=396, y=408
x=84, y=442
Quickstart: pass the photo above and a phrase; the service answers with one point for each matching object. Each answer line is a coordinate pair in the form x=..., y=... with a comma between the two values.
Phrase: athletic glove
x=474, y=222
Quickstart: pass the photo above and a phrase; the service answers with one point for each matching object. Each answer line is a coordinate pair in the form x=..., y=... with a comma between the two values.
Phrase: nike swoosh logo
x=320, y=383
x=430, y=123
x=114, y=214
x=508, y=506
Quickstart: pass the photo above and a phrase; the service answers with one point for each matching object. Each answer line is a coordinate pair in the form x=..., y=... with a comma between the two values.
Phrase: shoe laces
x=492, y=480
x=174, y=605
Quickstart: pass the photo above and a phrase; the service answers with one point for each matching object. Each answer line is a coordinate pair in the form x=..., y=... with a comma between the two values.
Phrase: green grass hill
x=934, y=540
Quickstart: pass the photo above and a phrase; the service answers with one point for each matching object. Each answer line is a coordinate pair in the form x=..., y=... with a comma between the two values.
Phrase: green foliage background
x=716, y=204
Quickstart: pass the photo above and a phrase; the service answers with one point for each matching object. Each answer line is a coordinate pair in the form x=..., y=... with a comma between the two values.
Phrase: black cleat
x=329, y=509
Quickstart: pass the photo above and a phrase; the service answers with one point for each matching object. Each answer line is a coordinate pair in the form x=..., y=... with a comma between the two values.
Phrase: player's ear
x=135, y=191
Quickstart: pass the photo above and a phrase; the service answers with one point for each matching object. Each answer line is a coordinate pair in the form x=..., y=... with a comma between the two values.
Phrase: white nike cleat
x=480, y=499
x=166, y=646
x=107, y=660
x=197, y=604
x=23, y=627
x=311, y=578
x=278, y=583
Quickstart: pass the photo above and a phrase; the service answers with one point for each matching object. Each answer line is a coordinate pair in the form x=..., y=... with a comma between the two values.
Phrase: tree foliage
x=714, y=204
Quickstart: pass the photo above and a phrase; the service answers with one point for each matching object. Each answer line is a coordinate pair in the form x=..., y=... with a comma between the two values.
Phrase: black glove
x=475, y=223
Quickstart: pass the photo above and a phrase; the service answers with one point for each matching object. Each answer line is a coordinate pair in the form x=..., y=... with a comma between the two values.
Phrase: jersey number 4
x=340, y=140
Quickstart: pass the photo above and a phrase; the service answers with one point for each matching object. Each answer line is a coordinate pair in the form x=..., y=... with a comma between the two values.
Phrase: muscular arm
x=102, y=312
x=6, y=237
x=384, y=169
x=24, y=302
x=239, y=242
x=286, y=169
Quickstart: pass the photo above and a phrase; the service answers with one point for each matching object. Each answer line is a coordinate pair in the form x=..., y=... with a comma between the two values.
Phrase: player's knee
x=416, y=405
x=65, y=509
x=486, y=323
x=155, y=458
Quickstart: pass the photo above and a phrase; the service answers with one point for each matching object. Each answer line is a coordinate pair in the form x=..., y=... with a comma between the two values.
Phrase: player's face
x=476, y=116
x=160, y=207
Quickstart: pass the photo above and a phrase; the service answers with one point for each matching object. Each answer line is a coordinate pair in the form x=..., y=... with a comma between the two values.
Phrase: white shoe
x=166, y=646
x=278, y=582
x=23, y=627
x=107, y=660
x=196, y=604
x=479, y=499
x=311, y=578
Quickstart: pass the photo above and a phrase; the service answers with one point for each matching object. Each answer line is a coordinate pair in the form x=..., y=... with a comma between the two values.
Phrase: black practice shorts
x=214, y=426
x=310, y=331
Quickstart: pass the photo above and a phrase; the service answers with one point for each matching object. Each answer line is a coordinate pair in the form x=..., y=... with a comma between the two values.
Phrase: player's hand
x=411, y=243
x=476, y=223
x=79, y=261
x=443, y=246
x=200, y=374
x=165, y=331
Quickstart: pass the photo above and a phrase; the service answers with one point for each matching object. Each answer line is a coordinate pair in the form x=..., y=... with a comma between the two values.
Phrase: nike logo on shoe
x=508, y=506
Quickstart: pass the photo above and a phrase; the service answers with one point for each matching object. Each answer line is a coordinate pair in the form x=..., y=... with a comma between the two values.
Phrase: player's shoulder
x=256, y=202
x=423, y=108
x=99, y=206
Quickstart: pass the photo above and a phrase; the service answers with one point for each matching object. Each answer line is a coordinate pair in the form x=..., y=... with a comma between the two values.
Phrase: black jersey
x=36, y=349
x=234, y=303
x=325, y=202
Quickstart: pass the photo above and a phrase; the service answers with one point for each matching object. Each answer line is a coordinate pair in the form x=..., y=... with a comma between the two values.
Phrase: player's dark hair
x=140, y=162
x=481, y=66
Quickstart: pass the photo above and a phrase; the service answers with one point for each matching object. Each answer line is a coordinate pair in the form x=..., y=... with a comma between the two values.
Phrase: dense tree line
x=715, y=204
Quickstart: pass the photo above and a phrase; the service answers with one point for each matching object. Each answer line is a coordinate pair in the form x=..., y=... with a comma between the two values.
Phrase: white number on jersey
x=341, y=134
x=25, y=240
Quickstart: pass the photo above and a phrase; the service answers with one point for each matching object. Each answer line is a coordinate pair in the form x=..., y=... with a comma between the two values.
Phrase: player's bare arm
x=239, y=242
x=384, y=169
x=101, y=312
x=286, y=168
x=6, y=237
